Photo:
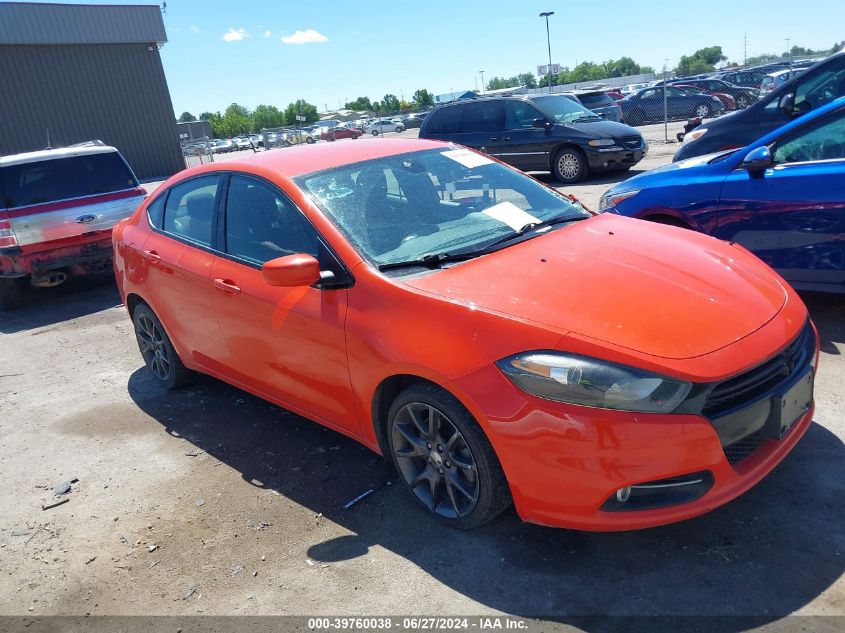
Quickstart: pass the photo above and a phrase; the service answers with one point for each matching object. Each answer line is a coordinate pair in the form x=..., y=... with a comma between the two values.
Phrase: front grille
x=755, y=382
x=632, y=142
x=738, y=451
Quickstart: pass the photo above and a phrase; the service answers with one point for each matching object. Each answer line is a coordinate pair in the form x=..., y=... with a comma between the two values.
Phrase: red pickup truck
x=57, y=210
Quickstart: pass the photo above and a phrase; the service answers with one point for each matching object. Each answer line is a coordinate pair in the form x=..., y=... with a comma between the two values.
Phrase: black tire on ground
x=375, y=132
x=570, y=165
x=11, y=293
x=702, y=110
x=157, y=351
x=309, y=140
x=469, y=486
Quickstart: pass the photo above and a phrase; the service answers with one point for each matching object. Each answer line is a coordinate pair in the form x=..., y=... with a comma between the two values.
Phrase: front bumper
x=616, y=157
x=564, y=462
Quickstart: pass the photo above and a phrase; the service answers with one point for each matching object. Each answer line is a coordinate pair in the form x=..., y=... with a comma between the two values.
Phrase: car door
x=523, y=145
x=179, y=257
x=481, y=125
x=793, y=215
x=651, y=102
x=287, y=343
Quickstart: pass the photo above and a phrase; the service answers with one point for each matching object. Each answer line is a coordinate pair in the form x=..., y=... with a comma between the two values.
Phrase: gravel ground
x=210, y=501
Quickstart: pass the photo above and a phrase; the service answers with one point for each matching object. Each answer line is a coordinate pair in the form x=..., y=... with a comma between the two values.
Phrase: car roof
x=49, y=154
x=306, y=159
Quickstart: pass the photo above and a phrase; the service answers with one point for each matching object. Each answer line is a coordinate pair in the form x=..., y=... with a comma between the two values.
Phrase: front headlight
x=601, y=142
x=695, y=134
x=593, y=383
x=610, y=199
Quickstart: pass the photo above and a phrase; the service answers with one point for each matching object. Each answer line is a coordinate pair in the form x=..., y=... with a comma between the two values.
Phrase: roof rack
x=94, y=143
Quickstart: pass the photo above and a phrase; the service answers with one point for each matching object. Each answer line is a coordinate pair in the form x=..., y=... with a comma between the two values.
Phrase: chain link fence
x=198, y=151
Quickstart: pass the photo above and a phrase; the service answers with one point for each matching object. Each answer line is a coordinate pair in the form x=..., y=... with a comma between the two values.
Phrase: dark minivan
x=538, y=133
x=816, y=86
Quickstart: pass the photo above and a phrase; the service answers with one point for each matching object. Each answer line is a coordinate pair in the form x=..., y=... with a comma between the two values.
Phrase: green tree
x=361, y=103
x=236, y=121
x=186, y=117
x=497, y=83
x=527, y=80
x=390, y=103
x=703, y=60
x=207, y=116
x=423, y=98
x=267, y=116
x=303, y=108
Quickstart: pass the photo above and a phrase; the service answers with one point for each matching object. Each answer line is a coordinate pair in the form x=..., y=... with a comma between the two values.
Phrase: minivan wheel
x=570, y=165
x=444, y=458
x=10, y=293
x=702, y=110
x=157, y=350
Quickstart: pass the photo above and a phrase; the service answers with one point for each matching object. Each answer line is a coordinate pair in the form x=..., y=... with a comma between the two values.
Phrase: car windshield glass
x=409, y=206
x=563, y=110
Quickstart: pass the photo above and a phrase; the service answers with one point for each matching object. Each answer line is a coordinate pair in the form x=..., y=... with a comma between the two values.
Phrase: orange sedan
x=491, y=337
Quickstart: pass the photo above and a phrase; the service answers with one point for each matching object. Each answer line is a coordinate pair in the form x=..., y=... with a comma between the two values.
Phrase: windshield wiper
x=531, y=226
x=431, y=260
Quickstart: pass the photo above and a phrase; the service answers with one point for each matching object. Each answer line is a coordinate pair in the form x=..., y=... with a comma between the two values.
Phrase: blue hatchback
x=782, y=197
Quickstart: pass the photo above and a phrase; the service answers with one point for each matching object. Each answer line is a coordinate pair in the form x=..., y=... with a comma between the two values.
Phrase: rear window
x=594, y=99
x=64, y=178
x=444, y=121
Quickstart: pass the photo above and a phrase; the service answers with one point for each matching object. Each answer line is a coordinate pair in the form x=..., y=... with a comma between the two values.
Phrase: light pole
x=481, y=72
x=789, y=52
x=546, y=15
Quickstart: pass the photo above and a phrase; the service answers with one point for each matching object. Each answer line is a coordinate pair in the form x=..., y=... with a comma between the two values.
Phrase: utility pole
x=481, y=72
x=665, y=109
x=546, y=14
x=745, y=49
x=789, y=52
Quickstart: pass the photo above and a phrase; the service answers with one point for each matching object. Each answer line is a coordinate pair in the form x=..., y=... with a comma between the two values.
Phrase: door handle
x=494, y=138
x=151, y=256
x=226, y=286
x=507, y=138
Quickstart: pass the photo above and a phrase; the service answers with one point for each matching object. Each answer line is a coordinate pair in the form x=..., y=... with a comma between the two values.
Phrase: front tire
x=570, y=165
x=375, y=132
x=444, y=458
x=157, y=351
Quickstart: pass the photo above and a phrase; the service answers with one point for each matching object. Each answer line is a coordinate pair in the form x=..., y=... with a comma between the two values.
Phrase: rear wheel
x=570, y=165
x=157, y=350
x=309, y=140
x=11, y=291
x=702, y=110
x=375, y=132
x=444, y=458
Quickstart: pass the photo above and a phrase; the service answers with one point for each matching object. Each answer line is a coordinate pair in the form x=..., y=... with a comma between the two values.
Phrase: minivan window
x=64, y=178
x=445, y=121
x=823, y=86
x=483, y=116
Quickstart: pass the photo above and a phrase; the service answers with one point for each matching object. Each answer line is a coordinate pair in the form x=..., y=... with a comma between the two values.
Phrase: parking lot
x=210, y=501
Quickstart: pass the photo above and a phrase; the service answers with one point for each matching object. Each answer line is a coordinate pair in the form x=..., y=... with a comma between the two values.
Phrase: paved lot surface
x=210, y=501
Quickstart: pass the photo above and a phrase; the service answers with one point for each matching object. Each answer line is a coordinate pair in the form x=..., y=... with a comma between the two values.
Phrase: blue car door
x=792, y=215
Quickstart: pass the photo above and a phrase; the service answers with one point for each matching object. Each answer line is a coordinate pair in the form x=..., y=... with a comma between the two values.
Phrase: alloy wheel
x=569, y=166
x=435, y=460
x=154, y=349
x=702, y=111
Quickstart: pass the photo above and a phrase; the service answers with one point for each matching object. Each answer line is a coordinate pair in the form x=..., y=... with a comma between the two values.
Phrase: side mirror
x=291, y=270
x=787, y=103
x=541, y=123
x=757, y=160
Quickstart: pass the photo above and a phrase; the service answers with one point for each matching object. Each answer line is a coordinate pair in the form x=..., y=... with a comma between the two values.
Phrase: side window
x=821, y=86
x=824, y=141
x=155, y=211
x=262, y=223
x=445, y=121
x=483, y=116
x=189, y=211
x=521, y=115
x=649, y=94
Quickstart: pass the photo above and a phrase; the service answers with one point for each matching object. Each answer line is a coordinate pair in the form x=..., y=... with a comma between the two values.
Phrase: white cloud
x=196, y=29
x=308, y=36
x=267, y=34
x=235, y=35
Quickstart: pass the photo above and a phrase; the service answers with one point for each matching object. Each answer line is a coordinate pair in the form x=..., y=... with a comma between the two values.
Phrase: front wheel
x=570, y=165
x=375, y=132
x=702, y=111
x=444, y=458
x=309, y=140
x=157, y=350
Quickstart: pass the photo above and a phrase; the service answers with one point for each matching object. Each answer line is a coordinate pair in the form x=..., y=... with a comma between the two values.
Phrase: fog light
x=623, y=494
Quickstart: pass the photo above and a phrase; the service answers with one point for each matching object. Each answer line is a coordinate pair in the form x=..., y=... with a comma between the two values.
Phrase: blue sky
x=225, y=51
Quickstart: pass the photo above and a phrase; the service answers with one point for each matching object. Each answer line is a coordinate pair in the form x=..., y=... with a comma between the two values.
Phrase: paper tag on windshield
x=467, y=158
x=510, y=214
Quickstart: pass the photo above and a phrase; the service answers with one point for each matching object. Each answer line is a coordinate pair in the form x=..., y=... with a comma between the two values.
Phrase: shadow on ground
x=76, y=297
x=765, y=555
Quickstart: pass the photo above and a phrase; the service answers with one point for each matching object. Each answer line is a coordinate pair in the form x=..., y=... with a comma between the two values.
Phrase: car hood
x=684, y=169
x=650, y=288
x=603, y=129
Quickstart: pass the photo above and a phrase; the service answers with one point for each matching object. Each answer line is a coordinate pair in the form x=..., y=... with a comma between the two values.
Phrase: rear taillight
x=7, y=235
